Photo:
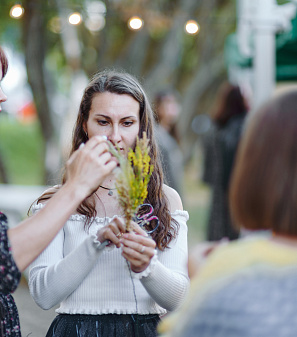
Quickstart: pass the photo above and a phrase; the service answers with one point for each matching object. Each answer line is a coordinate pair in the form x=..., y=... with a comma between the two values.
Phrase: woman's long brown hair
x=123, y=83
x=230, y=102
x=263, y=191
x=4, y=62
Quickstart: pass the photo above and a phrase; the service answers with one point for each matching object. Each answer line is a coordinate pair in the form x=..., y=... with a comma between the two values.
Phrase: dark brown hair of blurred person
x=263, y=193
x=166, y=109
x=4, y=62
x=230, y=102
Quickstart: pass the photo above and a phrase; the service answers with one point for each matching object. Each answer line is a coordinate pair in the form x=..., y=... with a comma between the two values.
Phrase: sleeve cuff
x=98, y=244
x=149, y=268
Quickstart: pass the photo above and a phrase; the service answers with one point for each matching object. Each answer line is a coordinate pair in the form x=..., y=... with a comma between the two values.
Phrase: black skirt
x=109, y=325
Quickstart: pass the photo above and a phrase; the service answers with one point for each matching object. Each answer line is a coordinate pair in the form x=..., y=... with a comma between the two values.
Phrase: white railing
x=15, y=200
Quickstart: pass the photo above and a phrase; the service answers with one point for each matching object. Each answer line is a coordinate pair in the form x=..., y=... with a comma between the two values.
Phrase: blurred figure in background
x=167, y=111
x=220, y=145
x=242, y=286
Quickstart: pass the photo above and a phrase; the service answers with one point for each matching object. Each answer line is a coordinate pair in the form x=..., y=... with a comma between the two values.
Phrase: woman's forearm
x=166, y=287
x=167, y=279
x=53, y=279
x=33, y=235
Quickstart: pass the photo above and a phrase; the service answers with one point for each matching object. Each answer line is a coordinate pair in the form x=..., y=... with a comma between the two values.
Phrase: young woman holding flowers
x=109, y=291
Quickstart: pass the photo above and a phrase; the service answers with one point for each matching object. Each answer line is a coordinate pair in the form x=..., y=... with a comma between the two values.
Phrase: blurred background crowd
x=205, y=64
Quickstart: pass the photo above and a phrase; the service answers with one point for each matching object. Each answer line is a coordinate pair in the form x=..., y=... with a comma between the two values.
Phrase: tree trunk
x=34, y=38
x=3, y=171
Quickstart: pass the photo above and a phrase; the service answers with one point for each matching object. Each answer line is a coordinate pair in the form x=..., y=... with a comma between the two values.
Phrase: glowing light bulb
x=135, y=23
x=75, y=18
x=16, y=11
x=192, y=27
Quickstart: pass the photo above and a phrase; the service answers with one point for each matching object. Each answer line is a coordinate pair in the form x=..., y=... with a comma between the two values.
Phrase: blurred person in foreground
x=247, y=288
x=220, y=146
x=167, y=110
x=122, y=289
x=19, y=246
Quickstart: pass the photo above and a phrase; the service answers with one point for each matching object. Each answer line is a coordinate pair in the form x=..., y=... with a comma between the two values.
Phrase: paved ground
x=34, y=320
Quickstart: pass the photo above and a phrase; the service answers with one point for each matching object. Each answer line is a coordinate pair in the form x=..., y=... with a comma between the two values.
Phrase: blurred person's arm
x=199, y=253
x=86, y=169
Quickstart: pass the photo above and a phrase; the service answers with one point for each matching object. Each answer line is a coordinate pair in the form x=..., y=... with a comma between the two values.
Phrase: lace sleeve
x=9, y=273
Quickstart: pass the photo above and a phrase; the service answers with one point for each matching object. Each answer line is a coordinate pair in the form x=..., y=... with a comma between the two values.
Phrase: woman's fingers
x=136, y=228
x=112, y=232
x=138, y=243
x=90, y=165
x=138, y=261
x=97, y=149
x=94, y=142
x=137, y=247
x=138, y=250
x=119, y=224
x=138, y=264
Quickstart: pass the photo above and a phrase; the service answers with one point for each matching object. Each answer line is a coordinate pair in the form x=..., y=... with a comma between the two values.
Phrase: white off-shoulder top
x=86, y=278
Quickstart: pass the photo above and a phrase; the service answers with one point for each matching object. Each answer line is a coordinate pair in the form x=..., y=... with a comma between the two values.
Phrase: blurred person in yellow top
x=248, y=287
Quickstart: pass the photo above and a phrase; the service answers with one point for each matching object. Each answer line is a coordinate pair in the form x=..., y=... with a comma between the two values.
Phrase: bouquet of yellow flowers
x=133, y=178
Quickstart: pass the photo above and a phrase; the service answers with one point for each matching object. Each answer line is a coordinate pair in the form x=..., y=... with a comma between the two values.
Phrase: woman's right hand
x=114, y=231
x=199, y=254
x=89, y=166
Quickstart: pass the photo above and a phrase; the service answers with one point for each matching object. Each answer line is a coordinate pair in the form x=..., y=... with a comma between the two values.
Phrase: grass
x=21, y=150
x=196, y=203
x=196, y=198
x=197, y=224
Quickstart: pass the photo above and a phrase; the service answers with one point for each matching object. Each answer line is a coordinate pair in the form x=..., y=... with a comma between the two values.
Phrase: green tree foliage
x=161, y=54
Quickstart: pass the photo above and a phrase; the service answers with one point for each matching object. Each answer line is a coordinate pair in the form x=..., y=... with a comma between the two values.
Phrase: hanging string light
x=95, y=21
x=16, y=11
x=135, y=23
x=96, y=11
x=75, y=18
x=192, y=27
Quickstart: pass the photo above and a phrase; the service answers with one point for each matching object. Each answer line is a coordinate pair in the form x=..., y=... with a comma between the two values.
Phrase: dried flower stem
x=133, y=178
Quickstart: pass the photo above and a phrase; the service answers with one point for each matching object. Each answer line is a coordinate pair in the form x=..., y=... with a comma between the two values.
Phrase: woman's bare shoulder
x=175, y=202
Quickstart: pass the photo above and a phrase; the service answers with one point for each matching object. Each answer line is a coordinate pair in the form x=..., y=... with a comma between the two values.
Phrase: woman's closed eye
x=102, y=122
x=128, y=123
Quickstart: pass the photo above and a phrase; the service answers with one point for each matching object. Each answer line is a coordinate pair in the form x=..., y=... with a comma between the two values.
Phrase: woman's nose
x=115, y=136
x=3, y=97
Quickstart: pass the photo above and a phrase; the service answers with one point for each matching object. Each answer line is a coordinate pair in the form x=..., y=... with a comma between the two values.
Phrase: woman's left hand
x=137, y=249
